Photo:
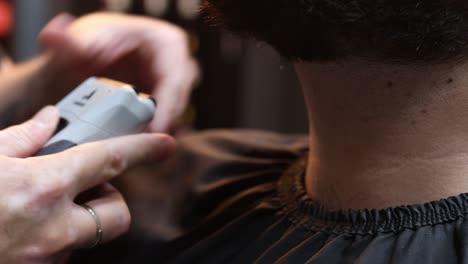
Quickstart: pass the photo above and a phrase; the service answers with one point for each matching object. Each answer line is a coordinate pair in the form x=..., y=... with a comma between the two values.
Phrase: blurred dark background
x=244, y=83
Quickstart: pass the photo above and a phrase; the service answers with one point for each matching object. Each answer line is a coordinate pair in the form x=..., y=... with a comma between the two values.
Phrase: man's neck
x=383, y=135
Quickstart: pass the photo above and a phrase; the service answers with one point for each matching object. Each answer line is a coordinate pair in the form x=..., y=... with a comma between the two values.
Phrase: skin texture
x=385, y=87
x=384, y=135
x=41, y=221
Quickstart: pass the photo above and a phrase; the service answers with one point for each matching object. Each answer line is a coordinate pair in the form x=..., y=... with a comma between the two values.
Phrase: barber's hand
x=39, y=218
x=146, y=52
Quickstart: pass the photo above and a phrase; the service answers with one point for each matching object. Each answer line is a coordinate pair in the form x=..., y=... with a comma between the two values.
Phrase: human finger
x=91, y=164
x=112, y=217
x=23, y=140
x=53, y=35
x=173, y=93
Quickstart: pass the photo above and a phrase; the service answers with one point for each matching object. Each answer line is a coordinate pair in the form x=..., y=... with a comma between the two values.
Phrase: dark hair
x=392, y=31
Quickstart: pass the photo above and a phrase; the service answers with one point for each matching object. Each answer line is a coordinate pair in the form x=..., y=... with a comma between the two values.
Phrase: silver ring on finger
x=99, y=231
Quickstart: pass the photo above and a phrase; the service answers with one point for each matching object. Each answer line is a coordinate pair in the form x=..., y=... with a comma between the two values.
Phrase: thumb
x=23, y=140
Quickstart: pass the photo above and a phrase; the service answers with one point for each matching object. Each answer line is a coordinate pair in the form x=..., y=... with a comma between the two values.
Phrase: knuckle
x=49, y=189
x=175, y=33
x=179, y=36
x=50, y=243
x=182, y=36
x=22, y=136
x=116, y=162
x=20, y=184
x=35, y=253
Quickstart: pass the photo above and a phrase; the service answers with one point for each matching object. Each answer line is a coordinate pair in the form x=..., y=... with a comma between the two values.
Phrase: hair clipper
x=98, y=109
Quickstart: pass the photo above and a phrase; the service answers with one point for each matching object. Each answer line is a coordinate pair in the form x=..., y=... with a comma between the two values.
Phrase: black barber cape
x=249, y=205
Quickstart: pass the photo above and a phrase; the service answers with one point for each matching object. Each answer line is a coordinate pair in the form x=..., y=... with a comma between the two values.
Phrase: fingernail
x=46, y=115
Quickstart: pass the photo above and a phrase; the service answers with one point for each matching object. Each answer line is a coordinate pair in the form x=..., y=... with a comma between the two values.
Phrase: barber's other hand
x=39, y=219
x=146, y=52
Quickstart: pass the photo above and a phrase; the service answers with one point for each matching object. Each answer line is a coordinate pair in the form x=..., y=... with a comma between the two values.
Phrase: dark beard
x=390, y=31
